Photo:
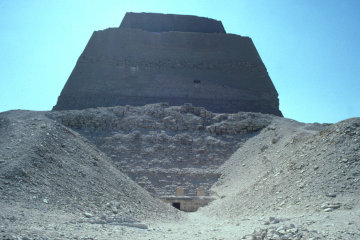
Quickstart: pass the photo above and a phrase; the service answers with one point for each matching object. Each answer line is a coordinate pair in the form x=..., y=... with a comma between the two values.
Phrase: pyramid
x=170, y=58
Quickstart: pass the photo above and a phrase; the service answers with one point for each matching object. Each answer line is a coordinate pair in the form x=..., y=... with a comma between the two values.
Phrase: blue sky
x=310, y=48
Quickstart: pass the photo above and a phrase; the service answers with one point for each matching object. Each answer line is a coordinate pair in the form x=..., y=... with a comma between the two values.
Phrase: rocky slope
x=292, y=168
x=47, y=167
x=162, y=147
x=286, y=180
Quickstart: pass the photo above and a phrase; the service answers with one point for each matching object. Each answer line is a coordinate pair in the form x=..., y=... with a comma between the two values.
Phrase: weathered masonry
x=188, y=203
x=170, y=58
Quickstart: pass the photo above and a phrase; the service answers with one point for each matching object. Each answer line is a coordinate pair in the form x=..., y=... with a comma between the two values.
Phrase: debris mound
x=163, y=147
x=45, y=165
x=295, y=167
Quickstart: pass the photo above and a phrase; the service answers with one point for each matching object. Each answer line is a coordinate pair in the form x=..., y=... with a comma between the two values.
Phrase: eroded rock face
x=163, y=147
x=129, y=66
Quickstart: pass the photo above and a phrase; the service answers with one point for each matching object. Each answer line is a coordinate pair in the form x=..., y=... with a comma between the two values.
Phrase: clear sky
x=311, y=48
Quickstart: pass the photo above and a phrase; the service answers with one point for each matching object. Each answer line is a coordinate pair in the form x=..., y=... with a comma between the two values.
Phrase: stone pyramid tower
x=170, y=58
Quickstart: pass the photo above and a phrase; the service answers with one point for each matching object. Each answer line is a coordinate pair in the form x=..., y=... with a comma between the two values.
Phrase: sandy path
x=195, y=226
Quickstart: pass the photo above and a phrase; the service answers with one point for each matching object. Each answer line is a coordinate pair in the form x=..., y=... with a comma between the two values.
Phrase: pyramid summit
x=170, y=58
x=157, y=22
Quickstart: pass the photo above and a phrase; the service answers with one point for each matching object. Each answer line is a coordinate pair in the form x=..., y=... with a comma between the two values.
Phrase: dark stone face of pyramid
x=156, y=22
x=176, y=59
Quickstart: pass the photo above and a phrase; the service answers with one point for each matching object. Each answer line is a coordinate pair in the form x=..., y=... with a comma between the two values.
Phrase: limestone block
x=179, y=191
x=200, y=192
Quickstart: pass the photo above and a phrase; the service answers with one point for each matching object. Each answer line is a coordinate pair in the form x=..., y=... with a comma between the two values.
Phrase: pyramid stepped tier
x=130, y=66
x=156, y=22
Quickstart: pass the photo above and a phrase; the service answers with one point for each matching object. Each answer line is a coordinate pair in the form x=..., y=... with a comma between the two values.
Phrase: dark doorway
x=176, y=205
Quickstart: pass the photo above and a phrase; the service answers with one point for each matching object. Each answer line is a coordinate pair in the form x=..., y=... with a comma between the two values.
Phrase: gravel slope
x=295, y=170
x=46, y=167
x=293, y=165
x=289, y=181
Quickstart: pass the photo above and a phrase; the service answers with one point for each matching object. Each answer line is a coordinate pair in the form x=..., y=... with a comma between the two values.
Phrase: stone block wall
x=122, y=66
x=156, y=22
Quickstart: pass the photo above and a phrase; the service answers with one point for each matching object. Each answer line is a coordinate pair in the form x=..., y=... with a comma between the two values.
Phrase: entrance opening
x=176, y=205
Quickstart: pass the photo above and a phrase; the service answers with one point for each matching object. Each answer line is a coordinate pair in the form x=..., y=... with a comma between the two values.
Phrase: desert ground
x=63, y=175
